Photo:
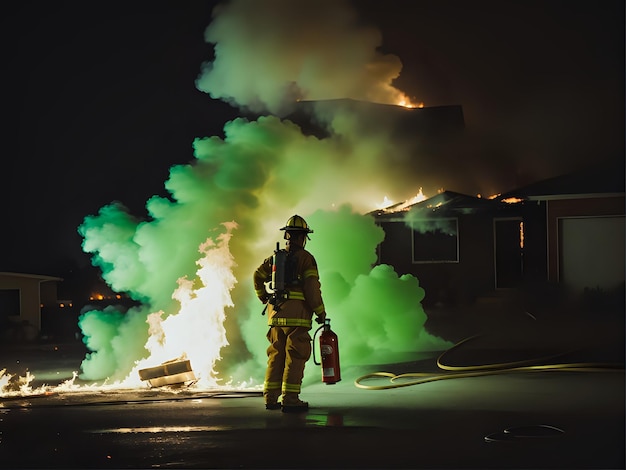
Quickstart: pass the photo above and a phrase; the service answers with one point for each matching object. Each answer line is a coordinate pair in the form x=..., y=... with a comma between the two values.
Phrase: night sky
x=99, y=100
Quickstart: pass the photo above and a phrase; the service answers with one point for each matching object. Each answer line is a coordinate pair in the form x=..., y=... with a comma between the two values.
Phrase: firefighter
x=289, y=318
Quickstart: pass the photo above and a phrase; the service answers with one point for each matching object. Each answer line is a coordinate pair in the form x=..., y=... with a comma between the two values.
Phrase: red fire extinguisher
x=329, y=348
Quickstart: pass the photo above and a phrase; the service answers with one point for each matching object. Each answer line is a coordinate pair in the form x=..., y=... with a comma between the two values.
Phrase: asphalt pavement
x=513, y=419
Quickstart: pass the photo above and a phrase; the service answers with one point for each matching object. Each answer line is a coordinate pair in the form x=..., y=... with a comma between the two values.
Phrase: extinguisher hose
x=313, y=345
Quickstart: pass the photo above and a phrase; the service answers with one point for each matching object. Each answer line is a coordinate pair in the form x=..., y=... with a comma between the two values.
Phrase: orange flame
x=512, y=200
x=388, y=205
x=196, y=332
x=407, y=103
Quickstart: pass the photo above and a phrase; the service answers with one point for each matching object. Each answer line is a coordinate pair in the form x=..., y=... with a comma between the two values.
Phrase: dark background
x=99, y=101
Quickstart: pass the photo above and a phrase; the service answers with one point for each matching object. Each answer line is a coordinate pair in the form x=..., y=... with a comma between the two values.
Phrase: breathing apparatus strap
x=284, y=284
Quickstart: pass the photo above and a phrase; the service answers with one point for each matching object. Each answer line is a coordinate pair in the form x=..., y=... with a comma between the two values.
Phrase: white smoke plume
x=270, y=53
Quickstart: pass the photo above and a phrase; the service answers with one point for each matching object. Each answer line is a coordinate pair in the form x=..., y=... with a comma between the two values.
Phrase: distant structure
x=22, y=297
x=567, y=231
x=460, y=247
x=576, y=224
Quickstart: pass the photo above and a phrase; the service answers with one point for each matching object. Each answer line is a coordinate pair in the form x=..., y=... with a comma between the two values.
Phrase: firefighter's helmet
x=297, y=224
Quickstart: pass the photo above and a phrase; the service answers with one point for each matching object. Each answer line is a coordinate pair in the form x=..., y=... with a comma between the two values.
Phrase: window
x=435, y=241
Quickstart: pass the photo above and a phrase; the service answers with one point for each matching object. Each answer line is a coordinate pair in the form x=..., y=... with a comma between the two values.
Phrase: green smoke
x=117, y=339
x=376, y=312
x=258, y=175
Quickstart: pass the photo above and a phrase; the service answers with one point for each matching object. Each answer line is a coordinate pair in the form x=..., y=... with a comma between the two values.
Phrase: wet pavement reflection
x=561, y=420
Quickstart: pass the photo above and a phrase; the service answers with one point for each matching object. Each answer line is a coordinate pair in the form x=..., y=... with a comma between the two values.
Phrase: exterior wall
x=33, y=291
x=474, y=275
x=29, y=298
x=448, y=283
x=48, y=294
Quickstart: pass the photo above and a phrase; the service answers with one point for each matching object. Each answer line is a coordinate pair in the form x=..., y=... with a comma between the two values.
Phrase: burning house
x=458, y=246
x=566, y=231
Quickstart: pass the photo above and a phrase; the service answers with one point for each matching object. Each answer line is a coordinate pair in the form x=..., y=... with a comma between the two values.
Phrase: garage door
x=591, y=252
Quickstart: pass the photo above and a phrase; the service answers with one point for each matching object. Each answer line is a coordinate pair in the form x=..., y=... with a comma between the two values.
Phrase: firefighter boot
x=293, y=404
x=271, y=399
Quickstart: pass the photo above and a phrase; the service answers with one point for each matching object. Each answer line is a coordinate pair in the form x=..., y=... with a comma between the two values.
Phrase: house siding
x=449, y=283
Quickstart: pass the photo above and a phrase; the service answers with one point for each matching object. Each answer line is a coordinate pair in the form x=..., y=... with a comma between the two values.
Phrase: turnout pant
x=289, y=349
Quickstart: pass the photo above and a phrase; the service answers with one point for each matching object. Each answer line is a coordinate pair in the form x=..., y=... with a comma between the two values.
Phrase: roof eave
x=556, y=197
x=39, y=277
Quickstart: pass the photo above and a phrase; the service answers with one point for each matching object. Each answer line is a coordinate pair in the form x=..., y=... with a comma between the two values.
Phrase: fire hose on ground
x=457, y=372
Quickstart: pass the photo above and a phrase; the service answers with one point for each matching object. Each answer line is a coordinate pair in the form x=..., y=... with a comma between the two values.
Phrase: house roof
x=445, y=203
x=602, y=179
x=37, y=277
